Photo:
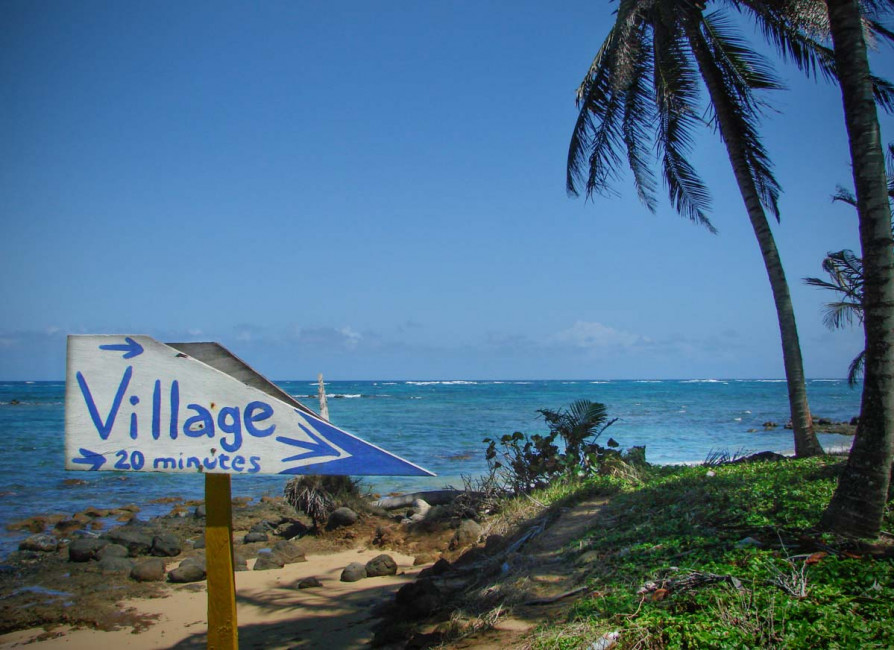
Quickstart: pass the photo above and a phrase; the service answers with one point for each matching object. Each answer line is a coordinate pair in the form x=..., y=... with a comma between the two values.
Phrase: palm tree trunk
x=859, y=501
x=806, y=443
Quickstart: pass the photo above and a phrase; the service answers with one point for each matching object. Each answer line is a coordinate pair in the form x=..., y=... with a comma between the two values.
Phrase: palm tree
x=859, y=501
x=845, y=271
x=858, y=504
x=646, y=76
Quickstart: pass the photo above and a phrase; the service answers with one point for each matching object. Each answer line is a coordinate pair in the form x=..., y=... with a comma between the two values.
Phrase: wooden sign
x=134, y=404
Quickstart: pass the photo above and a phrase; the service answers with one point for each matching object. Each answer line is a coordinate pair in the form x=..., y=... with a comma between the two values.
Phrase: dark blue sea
x=436, y=424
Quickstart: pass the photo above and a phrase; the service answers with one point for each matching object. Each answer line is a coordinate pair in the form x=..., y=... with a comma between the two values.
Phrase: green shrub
x=569, y=450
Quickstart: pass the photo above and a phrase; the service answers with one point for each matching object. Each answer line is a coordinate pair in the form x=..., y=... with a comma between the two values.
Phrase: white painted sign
x=134, y=404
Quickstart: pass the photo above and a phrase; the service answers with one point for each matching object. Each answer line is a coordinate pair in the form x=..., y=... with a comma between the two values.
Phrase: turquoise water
x=438, y=425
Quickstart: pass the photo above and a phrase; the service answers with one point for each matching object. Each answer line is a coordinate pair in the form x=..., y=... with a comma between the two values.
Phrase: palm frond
x=676, y=96
x=845, y=271
x=639, y=117
x=883, y=91
x=797, y=30
x=855, y=370
x=844, y=195
x=592, y=157
x=742, y=72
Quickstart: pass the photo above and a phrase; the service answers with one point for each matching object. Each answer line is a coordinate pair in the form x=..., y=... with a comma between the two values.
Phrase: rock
x=261, y=527
x=43, y=543
x=437, y=513
x=86, y=549
x=381, y=565
x=439, y=568
x=467, y=534
x=67, y=527
x=423, y=558
x=152, y=570
x=186, y=572
x=198, y=560
x=254, y=537
x=96, y=513
x=288, y=551
x=353, y=572
x=199, y=543
x=134, y=539
x=268, y=560
x=760, y=456
x=199, y=512
x=494, y=543
x=290, y=529
x=419, y=599
x=749, y=542
x=32, y=524
x=166, y=545
x=309, y=583
x=770, y=425
x=239, y=563
x=112, y=550
x=115, y=565
x=588, y=557
x=341, y=517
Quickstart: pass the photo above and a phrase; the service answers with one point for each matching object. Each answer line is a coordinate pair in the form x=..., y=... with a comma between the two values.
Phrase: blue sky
x=376, y=190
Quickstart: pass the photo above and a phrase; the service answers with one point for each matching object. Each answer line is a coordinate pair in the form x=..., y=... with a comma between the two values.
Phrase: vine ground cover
x=726, y=557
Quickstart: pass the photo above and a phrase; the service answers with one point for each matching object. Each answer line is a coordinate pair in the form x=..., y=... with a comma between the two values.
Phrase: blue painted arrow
x=358, y=458
x=90, y=458
x=130, y=348
x=318, y=448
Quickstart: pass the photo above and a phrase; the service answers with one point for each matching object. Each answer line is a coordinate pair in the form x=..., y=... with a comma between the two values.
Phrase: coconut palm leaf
x=799, y=29
x=676, y=91
x=855, y=370
x=742, y=72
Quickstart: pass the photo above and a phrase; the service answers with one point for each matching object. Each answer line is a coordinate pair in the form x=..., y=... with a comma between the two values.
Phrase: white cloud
x=351, y=338
x=591, y=335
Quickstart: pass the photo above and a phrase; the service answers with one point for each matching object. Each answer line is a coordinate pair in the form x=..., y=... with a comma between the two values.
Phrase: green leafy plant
x=569, y=450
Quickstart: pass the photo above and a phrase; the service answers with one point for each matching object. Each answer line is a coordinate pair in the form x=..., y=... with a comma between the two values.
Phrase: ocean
x=439, y=425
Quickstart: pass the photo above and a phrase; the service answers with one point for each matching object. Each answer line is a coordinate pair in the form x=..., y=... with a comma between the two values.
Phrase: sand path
x=272, y=613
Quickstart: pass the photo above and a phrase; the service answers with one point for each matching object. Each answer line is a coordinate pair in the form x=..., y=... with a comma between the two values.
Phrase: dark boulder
x=288, y=551
x=341, y=517
x=166, y=545
x=42, y=543
x=152, y=570
x=251, y=538
x=187, y=572
x=86, y=549
x=115, y=565
x=261, y=527
x=135, y=540
x=466, y=534
x=419, y=599
x=268, y=560
x=353, y=572
x=309, y=583
x=112, y=550
x=290, y=529
x=381, y=565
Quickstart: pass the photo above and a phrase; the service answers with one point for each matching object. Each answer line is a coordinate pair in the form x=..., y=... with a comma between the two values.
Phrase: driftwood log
x=432, y=498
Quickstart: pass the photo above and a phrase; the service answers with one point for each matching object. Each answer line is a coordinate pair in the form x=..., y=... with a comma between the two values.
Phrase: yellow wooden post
x=223, y=631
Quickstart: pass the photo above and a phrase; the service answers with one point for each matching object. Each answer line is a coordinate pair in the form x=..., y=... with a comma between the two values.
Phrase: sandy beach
x=272, y=612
